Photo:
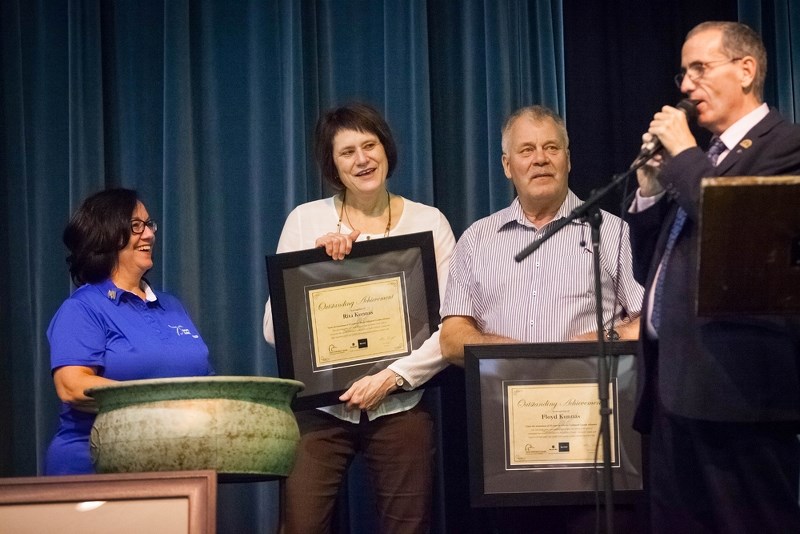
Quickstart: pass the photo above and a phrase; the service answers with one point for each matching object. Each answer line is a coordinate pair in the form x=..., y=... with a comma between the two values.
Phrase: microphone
x=685, y=105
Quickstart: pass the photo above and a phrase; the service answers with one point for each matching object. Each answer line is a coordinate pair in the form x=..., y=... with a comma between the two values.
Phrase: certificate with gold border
x=553, y=424
x=358, y=320
x=337, y=321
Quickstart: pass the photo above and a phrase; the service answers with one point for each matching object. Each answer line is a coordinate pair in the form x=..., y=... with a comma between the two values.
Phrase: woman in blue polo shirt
x=114, y=326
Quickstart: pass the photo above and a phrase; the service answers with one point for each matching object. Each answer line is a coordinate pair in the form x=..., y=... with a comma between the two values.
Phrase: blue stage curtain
x=778, y=21
x=207, y=108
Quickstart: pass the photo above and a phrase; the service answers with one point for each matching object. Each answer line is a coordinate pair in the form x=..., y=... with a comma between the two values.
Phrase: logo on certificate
x=563, y=446
x=362, y=343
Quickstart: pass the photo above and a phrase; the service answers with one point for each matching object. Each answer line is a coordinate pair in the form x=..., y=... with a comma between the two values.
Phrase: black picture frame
x=490, y=370
x=408, y=259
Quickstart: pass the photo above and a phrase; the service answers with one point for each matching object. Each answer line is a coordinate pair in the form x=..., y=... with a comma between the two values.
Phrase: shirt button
x=538, y=264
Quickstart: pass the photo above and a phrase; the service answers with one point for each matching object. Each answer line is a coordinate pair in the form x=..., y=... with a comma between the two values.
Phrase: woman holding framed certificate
x=356, y=153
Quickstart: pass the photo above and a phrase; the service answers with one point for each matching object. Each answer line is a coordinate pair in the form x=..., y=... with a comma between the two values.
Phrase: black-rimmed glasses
x=138, y=225
x=698, y=70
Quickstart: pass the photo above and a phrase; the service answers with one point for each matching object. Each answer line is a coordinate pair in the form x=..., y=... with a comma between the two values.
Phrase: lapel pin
x=112, y=294
x=746, y=143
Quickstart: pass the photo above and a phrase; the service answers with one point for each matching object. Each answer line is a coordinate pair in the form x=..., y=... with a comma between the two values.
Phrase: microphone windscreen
x=688, y=107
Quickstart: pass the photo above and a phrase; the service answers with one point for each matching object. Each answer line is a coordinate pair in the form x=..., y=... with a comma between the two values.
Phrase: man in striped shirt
x=549, y=296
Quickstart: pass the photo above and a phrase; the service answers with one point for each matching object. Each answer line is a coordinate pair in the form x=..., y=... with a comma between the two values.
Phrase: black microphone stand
x=589, y=212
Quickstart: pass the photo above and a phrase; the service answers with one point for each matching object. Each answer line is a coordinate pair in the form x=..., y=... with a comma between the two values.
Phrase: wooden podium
x=749, y=247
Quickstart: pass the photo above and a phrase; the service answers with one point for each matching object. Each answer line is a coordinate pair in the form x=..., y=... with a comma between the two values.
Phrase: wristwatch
x=399, y=381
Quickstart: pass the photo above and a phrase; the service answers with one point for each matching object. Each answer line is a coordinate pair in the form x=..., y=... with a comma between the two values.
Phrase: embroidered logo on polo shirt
x=183, y=331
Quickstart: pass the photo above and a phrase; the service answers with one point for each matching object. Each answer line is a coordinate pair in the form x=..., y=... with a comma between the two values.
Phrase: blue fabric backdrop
x=778, y=22
x=207, y=106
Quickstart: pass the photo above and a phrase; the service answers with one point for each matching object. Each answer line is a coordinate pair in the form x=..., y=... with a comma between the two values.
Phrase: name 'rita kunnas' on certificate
x=358, y=320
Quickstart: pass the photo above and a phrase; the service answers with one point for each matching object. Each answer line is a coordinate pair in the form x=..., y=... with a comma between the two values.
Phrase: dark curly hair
x=356, y=116
x=96, y=233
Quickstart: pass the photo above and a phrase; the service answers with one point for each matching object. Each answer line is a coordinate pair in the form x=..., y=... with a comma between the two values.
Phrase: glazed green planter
x=241, y=426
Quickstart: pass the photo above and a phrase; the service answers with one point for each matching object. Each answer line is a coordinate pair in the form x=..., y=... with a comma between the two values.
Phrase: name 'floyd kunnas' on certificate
x=552, y=425
x=358, y=320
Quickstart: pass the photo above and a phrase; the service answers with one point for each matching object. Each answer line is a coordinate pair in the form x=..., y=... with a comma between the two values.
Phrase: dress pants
x=723, y=477
x=398, y=450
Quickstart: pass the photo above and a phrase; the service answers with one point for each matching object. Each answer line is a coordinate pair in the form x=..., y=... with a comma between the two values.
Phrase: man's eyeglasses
x=137, y=225
x=697, y=70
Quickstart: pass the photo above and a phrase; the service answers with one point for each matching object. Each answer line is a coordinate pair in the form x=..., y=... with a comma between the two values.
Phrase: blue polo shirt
x=125, y=338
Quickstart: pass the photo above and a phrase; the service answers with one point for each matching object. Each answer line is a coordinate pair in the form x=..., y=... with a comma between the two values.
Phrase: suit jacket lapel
x=750, y=141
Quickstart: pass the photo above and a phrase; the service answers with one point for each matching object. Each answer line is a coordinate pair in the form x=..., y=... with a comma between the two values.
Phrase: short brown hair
x=356, y=116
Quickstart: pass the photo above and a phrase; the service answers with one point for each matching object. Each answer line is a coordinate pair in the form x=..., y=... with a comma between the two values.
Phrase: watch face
x=398, y=380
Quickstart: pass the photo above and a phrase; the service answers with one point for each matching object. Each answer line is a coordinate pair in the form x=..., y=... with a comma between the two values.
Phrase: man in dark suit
x=720, y=398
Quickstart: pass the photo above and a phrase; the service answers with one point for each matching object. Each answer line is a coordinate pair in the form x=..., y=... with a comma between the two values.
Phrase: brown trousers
x=398, y=450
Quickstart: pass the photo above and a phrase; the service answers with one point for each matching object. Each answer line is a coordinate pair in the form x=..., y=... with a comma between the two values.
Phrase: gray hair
x=536, y=113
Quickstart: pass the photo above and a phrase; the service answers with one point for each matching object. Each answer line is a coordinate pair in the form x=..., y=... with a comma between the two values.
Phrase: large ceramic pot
x=241, y=426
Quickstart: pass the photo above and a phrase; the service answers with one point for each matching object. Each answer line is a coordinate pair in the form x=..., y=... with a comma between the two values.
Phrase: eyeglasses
x=697, y=70
x=137, y=225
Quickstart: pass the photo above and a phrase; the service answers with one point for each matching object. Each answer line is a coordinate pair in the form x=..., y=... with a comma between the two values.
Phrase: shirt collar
x=149, y=294
x=113, y=293
x=739, y=129
x=514, y=212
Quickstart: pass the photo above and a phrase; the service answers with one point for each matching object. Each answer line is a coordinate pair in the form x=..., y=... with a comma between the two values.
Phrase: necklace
x=343, y=212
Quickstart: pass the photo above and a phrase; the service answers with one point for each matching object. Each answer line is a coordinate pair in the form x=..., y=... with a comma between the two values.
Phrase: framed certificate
x=533, y=423
x=337, y=321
